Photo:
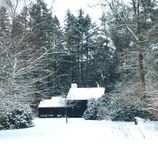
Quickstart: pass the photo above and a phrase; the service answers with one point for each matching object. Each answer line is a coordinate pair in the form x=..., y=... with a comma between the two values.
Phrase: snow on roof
x=85, y=93
x=53, y=102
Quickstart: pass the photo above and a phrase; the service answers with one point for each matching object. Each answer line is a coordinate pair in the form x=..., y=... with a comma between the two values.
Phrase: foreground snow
x=53, y=138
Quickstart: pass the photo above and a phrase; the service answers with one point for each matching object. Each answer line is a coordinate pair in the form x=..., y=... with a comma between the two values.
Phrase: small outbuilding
x=74, y=105
x=54, y=107
x=77, y=99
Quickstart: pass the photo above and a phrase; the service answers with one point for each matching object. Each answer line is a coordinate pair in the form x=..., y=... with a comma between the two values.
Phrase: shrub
x=15, y=117
x=128, y=113
x=91, y=112
x=109, y=108
x=102, y=108
x=107, y=105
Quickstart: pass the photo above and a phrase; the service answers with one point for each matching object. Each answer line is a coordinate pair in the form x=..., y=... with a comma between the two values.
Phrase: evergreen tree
x=24, y=19
x=4, y=22
x=70, y=43
x=4, y=40
x=103, y=62
x=47, y=41
x=40, y=24
x=59, y=61
x=85, y=33
x=77, y=39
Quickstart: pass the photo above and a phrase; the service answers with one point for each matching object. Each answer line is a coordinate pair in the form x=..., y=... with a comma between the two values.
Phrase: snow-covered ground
x=53, y=138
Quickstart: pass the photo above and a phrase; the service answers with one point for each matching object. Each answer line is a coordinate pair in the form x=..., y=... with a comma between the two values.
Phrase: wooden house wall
x=73, y=109
x=76, y=108
x=51, y=112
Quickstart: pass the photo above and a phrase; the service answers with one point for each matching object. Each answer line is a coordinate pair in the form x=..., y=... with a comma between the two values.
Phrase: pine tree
x=40, y=24
x=4, y=42
x=47, y=41
x=4, y=22
x=71, y=43
x=85, y=41
x=103, y=62
x=24, y=19
x=59, y=61
x=78, y=45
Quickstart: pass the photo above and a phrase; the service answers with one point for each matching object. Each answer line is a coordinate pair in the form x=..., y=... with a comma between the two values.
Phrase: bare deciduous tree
x=134, y=24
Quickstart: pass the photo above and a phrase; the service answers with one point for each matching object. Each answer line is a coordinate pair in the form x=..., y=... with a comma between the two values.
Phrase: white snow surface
x=53, y=102
x=85, y=93
x=53, y=138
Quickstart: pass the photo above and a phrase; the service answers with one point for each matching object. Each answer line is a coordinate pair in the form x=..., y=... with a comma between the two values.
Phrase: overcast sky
x=60, y=7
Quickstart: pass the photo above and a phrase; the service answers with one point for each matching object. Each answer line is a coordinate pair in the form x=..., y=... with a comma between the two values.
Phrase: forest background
x=40, y=58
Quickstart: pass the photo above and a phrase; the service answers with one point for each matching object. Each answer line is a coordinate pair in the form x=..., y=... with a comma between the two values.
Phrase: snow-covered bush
x=109, y=107
x=102, y=108
x=128, y=113
x=15, y=116
x=91, y=112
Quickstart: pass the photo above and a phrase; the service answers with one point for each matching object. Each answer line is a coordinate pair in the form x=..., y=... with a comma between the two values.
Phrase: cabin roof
x=85, y=93
x=57, y=101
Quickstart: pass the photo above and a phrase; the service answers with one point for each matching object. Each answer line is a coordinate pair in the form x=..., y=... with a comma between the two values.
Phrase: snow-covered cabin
x=74, y=104
x=53, y=107
x=77, y=99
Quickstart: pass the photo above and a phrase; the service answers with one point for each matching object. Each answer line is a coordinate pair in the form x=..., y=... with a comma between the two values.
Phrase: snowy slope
x=53, y=138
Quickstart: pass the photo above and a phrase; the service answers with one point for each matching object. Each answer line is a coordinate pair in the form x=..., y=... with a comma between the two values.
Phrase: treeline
x=133, y=28
x=40, y=59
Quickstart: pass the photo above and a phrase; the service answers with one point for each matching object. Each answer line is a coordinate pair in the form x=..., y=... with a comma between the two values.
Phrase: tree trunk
x=142, y=76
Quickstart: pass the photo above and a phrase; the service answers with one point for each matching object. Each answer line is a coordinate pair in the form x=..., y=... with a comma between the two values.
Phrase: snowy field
x=53, y=138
